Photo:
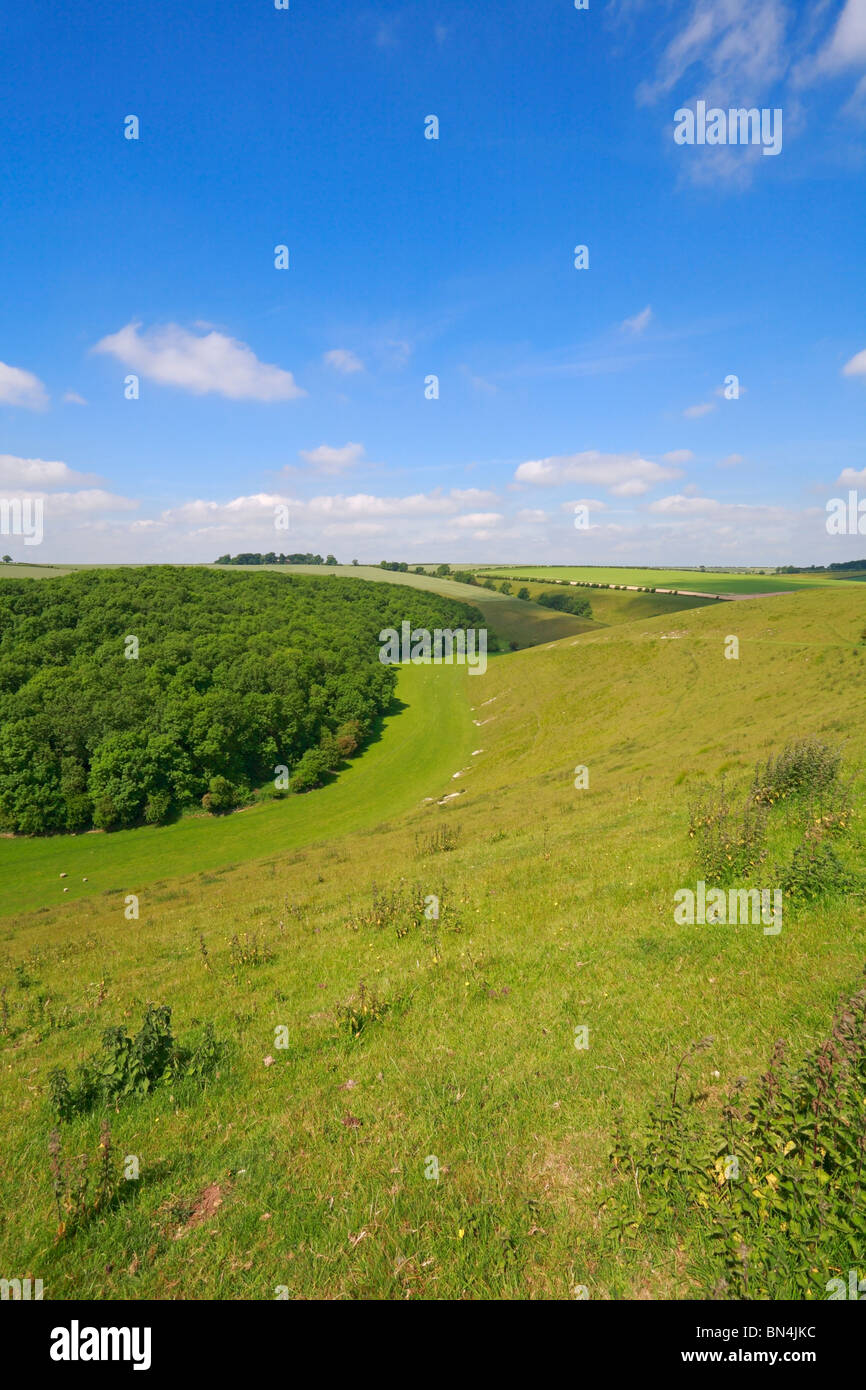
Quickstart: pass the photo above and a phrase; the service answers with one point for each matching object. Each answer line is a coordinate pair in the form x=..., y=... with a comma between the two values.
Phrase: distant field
x=708, y=581
x=611, y=606
x=14, y=571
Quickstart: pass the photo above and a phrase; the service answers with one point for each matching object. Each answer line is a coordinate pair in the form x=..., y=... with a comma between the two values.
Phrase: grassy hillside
x=310, y=1167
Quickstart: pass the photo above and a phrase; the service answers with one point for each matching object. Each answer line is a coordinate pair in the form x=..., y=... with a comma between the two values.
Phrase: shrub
x=157, y=807
x=220, y=796
x=311, y=771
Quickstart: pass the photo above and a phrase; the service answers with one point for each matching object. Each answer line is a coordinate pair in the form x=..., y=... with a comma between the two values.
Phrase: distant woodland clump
x=564, y=602
x=127, y=695
x=272, y=558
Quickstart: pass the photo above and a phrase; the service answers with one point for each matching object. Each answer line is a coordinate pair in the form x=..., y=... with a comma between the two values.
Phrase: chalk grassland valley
x=289, y=1077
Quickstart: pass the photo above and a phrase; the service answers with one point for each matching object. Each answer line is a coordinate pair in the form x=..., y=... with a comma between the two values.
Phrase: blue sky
x=412, y=257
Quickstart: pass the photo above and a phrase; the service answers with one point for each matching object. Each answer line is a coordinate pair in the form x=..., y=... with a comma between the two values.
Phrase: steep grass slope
x=431, y=1129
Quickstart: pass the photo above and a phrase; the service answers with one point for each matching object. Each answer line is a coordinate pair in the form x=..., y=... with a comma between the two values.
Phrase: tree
x=7, y=559
x=330, y=560
x=523, y=593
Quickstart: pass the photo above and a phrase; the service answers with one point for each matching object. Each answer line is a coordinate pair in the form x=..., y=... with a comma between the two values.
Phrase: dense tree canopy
x=235, y=676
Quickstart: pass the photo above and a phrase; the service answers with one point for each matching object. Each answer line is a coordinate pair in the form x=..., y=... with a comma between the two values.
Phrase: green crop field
x=706, y=581
x=398, y=1104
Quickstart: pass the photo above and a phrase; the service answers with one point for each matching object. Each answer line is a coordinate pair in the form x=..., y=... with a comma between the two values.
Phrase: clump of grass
x=246, y=951
x=406, y=908
x=362, y=1009
x=440, y=841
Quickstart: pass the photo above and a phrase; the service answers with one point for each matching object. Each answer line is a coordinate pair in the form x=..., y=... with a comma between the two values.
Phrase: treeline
x=822, y=569
x=127, y=695
x=272, y=558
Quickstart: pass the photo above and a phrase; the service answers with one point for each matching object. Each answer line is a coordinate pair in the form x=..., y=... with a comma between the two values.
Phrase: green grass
x=557, y=911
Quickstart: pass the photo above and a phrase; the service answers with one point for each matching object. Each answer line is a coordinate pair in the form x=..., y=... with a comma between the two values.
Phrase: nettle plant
x=801, y=802
x=127, y=1067
x=766, y=1200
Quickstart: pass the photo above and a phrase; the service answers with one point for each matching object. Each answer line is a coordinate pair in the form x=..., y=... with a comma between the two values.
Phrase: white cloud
x=475, y=519
x=624, y=475
x=18, y=387
x=694, y=412
x=678, y=456
x=730, y=460
x=73, y=398
x=856, y=366
x=39, y=474
x=60, y=504
x=640, y=321
x=852, y=477
x=473, y=496
x=326, y=459
x=343, y=360
x=173, y=356
x=592, y=502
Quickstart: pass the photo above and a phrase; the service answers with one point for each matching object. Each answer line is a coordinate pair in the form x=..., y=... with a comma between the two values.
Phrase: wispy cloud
x=640, y=321
x=343, y=360
x=327, y=459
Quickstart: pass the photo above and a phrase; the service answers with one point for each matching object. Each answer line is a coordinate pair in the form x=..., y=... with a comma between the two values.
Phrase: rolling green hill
x=411, y=1038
